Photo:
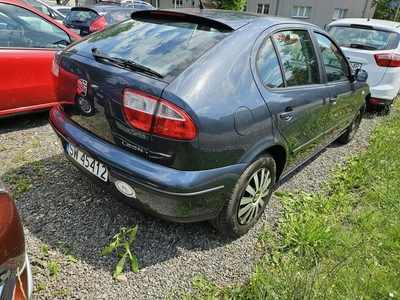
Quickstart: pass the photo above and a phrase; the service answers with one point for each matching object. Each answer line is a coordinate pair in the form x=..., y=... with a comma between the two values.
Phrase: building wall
x=321, y=12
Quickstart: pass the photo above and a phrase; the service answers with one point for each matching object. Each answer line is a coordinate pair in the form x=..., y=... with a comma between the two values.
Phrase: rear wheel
x=248, y=199
x=351, y=130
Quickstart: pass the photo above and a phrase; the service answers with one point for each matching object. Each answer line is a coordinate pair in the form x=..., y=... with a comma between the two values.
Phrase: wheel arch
x=278, y=152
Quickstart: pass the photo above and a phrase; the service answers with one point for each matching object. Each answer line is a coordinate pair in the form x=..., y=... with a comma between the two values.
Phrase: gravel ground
x=63, y=210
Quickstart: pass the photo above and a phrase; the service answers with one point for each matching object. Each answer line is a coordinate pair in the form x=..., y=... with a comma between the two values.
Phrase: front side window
x=263, y=9
x=336, y=66
x=20, y=27
x=298, y=59
x=301, y=11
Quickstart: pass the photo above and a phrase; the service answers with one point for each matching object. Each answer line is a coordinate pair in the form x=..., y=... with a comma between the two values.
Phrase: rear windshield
x=364, y=38
x=81, y=16
x=166, y=47
x=113, y=17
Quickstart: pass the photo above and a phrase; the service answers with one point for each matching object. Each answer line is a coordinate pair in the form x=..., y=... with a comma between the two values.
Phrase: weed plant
x=340, y=243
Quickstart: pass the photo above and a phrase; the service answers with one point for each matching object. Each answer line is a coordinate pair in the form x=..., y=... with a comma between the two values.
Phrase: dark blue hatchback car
x=195, y=115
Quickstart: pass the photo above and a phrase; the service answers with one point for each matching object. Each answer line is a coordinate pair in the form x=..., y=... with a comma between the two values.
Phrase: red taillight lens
x=388, y=60
x=159, y=117
x=100, y=23
x=376, y=101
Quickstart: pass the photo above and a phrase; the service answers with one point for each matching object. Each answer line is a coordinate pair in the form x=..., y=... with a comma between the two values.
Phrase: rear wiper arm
x=125, y=63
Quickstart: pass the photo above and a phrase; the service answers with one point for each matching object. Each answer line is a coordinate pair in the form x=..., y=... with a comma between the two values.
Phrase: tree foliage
x=233, y=5
x=384, y=11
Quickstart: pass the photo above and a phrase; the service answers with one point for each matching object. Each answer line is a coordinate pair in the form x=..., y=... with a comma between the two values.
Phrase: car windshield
x=166, y=48
x=363, y=38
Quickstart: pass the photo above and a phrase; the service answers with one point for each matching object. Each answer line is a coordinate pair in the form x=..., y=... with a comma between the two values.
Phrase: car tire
x=351, y=130
x=248, y=199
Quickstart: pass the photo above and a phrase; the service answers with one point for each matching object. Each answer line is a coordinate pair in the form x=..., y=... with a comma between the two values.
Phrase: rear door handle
x=287, y=114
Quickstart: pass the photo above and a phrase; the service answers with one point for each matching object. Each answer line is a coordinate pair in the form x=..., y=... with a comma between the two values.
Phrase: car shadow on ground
x=63, y=206
x=59, y=206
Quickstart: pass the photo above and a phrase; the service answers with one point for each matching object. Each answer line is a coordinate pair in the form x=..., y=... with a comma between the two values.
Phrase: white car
x=62, y=9
x=373, y=45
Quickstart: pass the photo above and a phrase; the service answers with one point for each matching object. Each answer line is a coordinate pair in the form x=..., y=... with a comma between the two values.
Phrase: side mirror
x=361, y=75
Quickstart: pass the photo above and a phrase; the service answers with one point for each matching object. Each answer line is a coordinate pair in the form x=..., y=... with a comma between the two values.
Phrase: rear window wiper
x=125, y=63
x=360, y=46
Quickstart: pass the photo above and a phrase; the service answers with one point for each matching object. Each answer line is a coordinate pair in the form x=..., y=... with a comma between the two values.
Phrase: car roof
x=100, y=9
x=233, y=19
x=374, y=23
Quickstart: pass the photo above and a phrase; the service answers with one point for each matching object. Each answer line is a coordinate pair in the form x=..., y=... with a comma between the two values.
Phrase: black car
x=85, y=20
x=195, y=115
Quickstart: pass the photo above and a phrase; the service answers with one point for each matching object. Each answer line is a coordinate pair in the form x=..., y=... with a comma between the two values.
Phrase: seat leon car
x=194, y=115
x=85, y=20
x=373, y=45
x=28, y=41
x=16, y=281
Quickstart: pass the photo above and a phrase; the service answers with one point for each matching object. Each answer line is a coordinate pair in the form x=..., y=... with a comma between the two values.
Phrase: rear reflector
x=376, y=101
x=159, y=117
x=388, y=60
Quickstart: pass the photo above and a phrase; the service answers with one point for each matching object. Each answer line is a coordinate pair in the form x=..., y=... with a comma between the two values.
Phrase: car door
x=290, y=83
x=343, y=97
x=28, y=44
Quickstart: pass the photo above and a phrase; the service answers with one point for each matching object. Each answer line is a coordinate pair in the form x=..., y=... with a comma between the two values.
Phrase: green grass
x=341, y=243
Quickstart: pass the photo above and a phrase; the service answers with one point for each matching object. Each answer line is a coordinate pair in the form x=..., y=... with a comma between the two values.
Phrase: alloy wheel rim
x=253, y=198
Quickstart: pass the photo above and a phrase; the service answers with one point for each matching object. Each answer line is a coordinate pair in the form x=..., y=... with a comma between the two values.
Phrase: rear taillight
x=377, y=101
x=391, y=60
x=100, y=23
x=158, y=117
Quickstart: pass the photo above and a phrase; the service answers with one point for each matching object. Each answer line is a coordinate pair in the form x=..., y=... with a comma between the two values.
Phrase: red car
x=28, y=41
x=15, y=271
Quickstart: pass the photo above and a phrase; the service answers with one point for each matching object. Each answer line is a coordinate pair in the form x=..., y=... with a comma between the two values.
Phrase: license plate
x=90, y=164
x=355, y=65
x=77, y=31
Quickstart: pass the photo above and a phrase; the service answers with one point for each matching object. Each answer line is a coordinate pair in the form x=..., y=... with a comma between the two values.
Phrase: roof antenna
x=202, y=5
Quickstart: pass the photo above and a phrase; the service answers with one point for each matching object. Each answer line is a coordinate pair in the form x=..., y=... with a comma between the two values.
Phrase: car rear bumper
x=170, y=194
x=385, y=93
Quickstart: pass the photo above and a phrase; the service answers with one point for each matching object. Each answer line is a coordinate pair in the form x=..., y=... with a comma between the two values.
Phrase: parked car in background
x=138, y=5
x=28, y=41
x=373, y=45
x=62, y=9
x=194, y=115
x=85, y=20
x=46, y=8
x=16, y=281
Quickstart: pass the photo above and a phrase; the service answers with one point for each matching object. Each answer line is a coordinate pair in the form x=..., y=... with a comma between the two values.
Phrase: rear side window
x=288, y=53
x=165, y=46
x=298, y=60
x=268, y=66
x=364, y=37
x=81, y=16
